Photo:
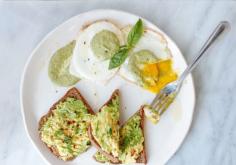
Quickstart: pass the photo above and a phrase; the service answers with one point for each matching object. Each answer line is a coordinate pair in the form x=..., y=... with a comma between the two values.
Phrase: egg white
x=150, y=40
x=85, y=64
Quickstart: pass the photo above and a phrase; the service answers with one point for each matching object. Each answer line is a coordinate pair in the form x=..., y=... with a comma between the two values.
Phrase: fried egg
x=149, y=64
x=95, y=45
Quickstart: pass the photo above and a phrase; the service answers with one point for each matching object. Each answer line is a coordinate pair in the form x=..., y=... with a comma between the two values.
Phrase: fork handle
x=222, y=26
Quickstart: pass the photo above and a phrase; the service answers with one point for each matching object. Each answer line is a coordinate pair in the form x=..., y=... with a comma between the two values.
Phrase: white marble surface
x=212, y=138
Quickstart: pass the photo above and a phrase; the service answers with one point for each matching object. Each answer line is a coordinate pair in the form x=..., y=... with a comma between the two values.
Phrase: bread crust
x=142, y=158
x=73, y=93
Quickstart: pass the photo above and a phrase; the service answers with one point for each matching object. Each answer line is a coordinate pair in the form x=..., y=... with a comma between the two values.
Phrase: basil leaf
x=133, y=37
x=135, y=34
x=118, y=58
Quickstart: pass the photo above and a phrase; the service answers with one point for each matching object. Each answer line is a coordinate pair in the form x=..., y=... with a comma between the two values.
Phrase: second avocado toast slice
x=132, y=147
x=104, y=128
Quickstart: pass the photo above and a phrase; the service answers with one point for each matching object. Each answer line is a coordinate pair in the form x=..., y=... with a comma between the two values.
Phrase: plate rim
x=29, y=58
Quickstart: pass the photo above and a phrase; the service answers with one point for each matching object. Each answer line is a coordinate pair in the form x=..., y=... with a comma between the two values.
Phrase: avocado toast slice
x=132, y=147
x=104, y=128
x=64, y=128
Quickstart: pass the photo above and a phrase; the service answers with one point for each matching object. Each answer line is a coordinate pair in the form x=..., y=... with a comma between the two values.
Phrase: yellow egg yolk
x=156, y=75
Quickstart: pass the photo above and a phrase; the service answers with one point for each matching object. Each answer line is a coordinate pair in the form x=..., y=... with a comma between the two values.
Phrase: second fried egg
x=149, y=64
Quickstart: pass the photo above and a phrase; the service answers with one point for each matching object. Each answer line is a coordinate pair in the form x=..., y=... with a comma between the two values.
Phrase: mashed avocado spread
x=66, y=128
x=131, y=142
x=58, y=69
x=105, y=44
x=105, y=127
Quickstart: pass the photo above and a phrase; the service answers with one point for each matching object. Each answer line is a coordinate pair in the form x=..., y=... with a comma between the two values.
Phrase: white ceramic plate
x=38, y=93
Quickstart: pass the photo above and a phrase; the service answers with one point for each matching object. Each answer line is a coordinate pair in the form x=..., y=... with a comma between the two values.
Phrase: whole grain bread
x=113, y=159
x=72, y=93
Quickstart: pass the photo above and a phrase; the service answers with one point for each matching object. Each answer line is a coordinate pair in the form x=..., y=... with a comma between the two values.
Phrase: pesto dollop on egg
x=150, y=72
x=66, y=128
x=105, y=44
x=58, y=69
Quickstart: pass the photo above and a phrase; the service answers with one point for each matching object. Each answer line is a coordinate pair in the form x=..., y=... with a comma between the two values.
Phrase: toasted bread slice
x=72, y=93
x=114, y=129
x=142, y=156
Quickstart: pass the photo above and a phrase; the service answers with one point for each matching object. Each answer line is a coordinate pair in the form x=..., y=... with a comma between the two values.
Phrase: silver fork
x=166, y=96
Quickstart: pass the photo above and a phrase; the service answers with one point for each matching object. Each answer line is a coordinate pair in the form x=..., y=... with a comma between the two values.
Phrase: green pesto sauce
x=142, y=57
x=66, y=128
x=137, y=61
x=105, y=44
x=58, y=69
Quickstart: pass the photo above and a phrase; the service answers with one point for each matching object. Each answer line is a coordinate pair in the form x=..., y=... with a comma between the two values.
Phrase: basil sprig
x=133, y=37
